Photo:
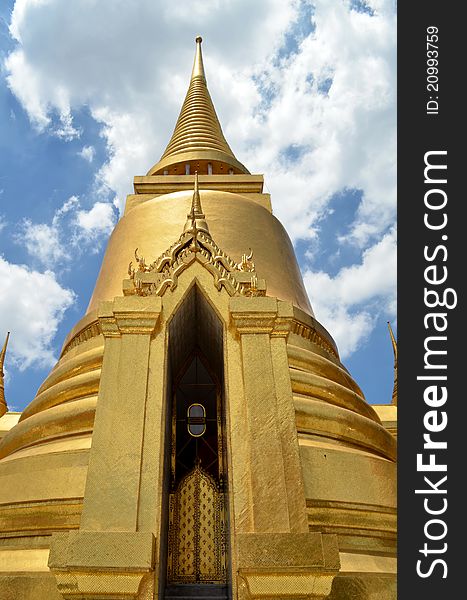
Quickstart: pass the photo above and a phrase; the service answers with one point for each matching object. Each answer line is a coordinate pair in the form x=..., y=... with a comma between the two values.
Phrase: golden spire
x=3, y=404
x=196, y=219
x=198, y=67
x=198, y=136
x=394, y=347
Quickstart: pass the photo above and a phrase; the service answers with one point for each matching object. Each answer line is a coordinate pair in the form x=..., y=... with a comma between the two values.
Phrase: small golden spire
x=3, y=404
x=196, y=219
x=198, y=67
x=196, y=202
x=198, y=136
x=394, y=347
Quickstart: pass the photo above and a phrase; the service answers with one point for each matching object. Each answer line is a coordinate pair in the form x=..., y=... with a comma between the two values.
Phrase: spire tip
x=196, y=220
x=394, y=347
x=3, y=404
x=3, y=350
x=198, y=68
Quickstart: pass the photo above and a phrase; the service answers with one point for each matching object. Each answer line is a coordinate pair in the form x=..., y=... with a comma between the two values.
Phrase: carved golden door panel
x=197, y=531
x=197, y=523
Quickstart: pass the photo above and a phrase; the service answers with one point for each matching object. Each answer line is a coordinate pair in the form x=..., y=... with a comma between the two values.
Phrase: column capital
x=262, y=314
x=130, y=314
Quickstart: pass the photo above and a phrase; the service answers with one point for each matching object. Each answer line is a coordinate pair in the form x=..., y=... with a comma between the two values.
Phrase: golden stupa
x=199, y=436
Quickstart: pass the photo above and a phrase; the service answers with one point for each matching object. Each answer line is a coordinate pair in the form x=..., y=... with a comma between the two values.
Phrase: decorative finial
x=394, y=348
x=198, y=67
x=3, y=404
x=196, y=202
x=196, y=219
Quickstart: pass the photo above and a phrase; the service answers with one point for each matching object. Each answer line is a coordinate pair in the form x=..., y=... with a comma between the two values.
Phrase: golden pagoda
x=199, y=436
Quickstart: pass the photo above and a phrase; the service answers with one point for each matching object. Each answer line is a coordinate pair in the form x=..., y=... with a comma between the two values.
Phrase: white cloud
x=349, y=303
x=24, y=80
x=88, y=153
x=3, y=222
x=68, y=206
x=65, y=128
x=71, y=230
x=42, y=242
x=32, y=305
x=99, y=220
x=347, y=136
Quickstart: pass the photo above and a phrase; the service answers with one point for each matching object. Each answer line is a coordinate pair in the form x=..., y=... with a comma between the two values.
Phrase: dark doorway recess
x=196, y=548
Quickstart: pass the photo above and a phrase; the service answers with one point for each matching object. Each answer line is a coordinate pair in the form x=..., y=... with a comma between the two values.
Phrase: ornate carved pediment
x=195, y=244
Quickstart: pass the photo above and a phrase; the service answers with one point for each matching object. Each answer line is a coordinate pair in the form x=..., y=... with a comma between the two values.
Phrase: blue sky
x=89, y=95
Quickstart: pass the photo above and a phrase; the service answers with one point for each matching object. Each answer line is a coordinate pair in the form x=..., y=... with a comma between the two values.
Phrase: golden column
x=199, y=436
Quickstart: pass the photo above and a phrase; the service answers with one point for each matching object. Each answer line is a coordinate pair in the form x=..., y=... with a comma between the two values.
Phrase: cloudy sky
x=89, y=94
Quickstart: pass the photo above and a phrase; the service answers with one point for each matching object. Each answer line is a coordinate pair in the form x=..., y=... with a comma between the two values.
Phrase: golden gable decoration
x=195, y=244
